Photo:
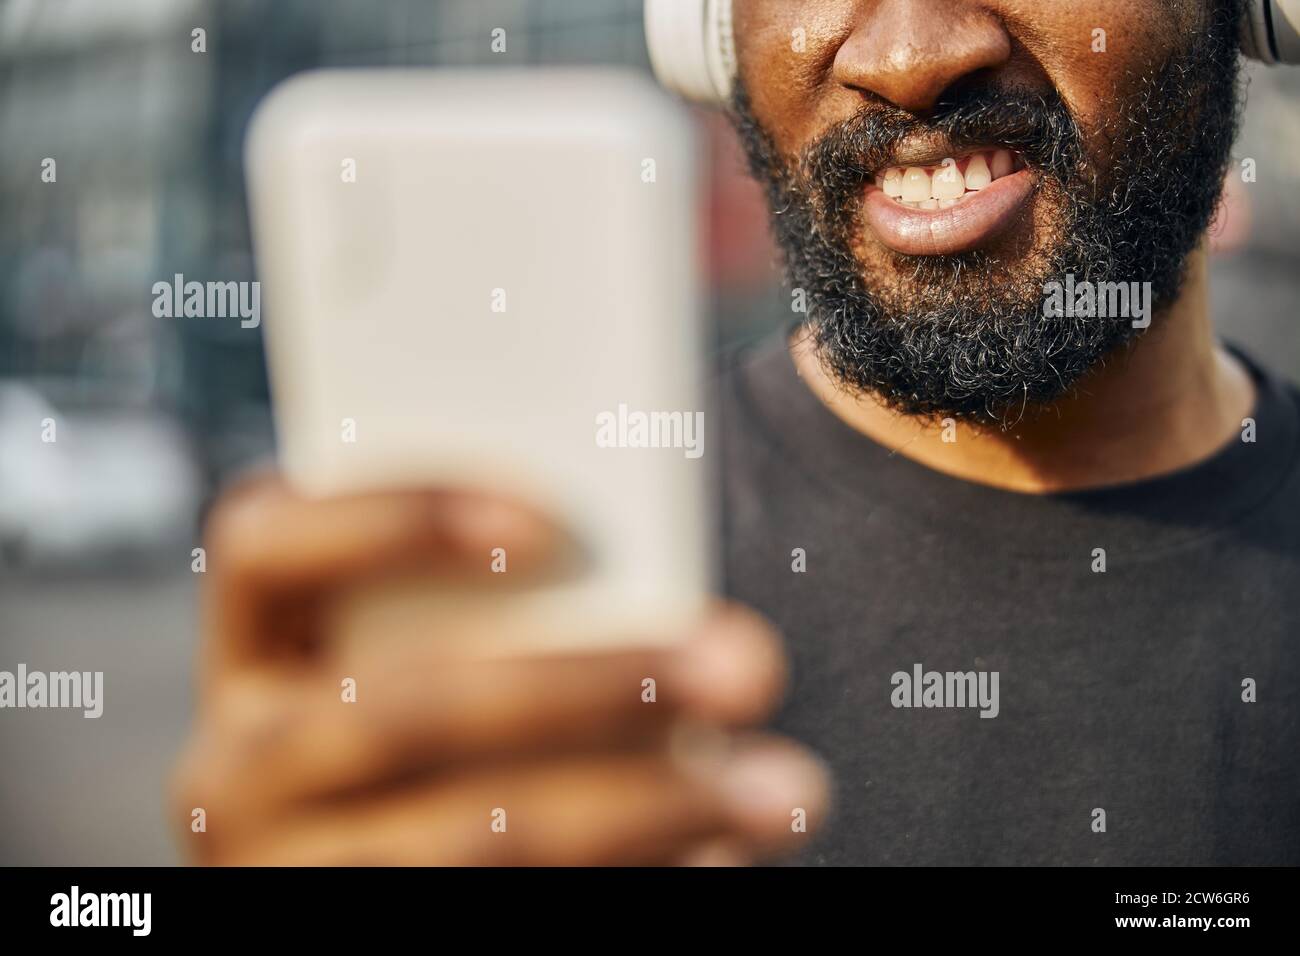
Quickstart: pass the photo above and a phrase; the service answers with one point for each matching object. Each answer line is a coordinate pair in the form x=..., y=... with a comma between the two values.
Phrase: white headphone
x=692, y=48
x=1271, y=31
x=694, y=54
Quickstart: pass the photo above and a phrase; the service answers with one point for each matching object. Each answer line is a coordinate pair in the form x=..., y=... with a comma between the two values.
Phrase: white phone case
x=485, y=278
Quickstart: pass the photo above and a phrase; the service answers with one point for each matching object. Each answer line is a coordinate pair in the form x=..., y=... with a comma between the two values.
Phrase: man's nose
x=908, y=52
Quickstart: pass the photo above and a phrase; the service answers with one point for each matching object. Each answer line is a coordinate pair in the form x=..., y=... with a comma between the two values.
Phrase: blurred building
x=143, y=120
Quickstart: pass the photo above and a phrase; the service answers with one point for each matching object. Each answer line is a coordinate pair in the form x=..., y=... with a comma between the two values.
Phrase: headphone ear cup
x=1284, y=17
x=1254, y=32
x=720, y=43
x=1270, y=31
x=691, y=47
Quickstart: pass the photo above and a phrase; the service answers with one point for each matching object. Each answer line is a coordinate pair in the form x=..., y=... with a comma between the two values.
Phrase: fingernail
x=716, y=853
x=767, y=785
x=491, y=517
x=727, y=674
x=503, y=523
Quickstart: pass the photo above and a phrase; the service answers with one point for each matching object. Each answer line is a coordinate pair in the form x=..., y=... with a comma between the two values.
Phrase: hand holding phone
x=311, y=751
x=479, y=631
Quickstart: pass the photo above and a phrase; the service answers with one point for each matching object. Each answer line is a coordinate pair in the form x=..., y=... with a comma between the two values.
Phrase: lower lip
x=976, y=220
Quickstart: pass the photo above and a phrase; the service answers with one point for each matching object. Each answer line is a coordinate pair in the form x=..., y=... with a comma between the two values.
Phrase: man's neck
x=1172, y=399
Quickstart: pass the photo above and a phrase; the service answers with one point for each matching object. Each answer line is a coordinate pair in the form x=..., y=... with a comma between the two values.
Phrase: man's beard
x=965, y=335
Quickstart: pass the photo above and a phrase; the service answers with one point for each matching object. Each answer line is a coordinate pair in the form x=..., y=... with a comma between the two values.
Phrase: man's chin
x=975, y=346
x=957, y=387
x=1001, y=286
x=961, y=293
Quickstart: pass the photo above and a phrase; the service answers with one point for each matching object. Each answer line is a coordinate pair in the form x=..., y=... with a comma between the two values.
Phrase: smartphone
x=488, y=279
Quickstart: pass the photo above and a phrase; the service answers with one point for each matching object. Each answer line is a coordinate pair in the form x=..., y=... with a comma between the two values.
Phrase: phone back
x=487, y=279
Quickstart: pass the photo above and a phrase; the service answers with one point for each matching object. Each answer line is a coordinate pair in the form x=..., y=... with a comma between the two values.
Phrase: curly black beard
x=965, y=335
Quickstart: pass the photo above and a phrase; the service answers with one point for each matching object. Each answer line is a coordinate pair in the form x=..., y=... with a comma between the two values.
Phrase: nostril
x=913, y=54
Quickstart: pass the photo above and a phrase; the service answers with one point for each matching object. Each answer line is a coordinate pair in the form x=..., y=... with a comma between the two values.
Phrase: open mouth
x=949, y=205
x=949, y=182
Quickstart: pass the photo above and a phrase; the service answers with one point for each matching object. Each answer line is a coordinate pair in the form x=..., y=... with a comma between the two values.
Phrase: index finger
x=271, y=551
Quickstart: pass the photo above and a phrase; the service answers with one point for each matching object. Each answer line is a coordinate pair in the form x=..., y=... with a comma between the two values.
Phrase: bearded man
x=1035, y=557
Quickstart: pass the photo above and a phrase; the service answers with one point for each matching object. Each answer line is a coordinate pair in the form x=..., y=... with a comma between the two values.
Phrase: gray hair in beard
x=967, y=337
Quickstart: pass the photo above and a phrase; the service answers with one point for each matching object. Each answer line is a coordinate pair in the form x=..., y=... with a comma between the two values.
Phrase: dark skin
x=441, y=738
x=586, y=772
x=1174, y=399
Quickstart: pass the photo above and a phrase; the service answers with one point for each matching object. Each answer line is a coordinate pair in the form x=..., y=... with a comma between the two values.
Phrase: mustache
x=1037, y=124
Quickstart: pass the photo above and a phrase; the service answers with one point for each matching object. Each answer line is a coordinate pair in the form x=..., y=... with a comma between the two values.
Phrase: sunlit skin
x=585, y=770
x=1173, y=399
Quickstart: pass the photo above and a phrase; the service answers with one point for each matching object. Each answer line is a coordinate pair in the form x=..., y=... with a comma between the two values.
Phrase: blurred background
x=153, y=415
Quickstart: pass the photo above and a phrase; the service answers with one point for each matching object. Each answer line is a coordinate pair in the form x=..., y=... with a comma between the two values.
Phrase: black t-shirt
x=1159, y=698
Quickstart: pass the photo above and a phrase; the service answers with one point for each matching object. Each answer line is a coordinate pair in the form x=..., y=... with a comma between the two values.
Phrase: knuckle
x=240, y=731
x=733, y=669
x=761, y=649
x=194, y=793
x=236, y=527
x=252, y=718
x=186, y=788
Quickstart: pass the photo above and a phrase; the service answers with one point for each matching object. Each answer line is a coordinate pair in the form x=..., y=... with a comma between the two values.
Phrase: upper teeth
x=950, y=181
x=977, y=174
